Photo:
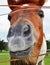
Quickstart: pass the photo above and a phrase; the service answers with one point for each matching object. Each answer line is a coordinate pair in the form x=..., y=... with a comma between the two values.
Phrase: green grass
x=6, y=56
x=47, y=60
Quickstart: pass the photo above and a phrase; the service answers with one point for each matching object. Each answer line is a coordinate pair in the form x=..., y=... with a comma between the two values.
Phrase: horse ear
x=19, y=2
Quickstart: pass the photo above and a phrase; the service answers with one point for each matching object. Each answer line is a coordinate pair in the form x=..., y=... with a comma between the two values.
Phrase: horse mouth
x=21, y=54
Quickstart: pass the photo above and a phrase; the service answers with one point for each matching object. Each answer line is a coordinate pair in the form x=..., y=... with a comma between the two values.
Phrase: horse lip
x=22, y=50
x=21, y=54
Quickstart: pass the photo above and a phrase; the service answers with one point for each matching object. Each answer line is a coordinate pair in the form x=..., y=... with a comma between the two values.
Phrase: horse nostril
x=10, y=33
x=27, y=30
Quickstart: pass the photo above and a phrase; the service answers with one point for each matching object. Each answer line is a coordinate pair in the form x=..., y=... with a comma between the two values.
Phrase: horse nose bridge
x=17, y=28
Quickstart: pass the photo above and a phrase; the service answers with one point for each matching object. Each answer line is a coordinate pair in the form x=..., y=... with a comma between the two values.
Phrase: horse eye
x=9, y=17
x=27, y=30
x=41, y=14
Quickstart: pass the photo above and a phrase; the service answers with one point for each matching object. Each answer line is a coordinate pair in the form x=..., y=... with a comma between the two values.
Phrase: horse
x=26, y=39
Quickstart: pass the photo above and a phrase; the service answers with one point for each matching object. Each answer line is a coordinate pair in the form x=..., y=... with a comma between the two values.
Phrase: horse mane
x=20, y=2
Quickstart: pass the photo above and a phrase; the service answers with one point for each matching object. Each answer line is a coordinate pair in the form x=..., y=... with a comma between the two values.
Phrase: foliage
x=3, y=45
x=48, y=44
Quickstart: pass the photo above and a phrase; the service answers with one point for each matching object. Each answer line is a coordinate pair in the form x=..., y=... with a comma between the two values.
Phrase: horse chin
x=21, y=54
x=23, y=57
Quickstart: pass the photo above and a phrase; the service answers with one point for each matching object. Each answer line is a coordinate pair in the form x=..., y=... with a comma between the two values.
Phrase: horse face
x=25, y=31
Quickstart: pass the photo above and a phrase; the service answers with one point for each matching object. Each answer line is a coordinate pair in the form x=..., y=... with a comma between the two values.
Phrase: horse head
x=25, y=35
